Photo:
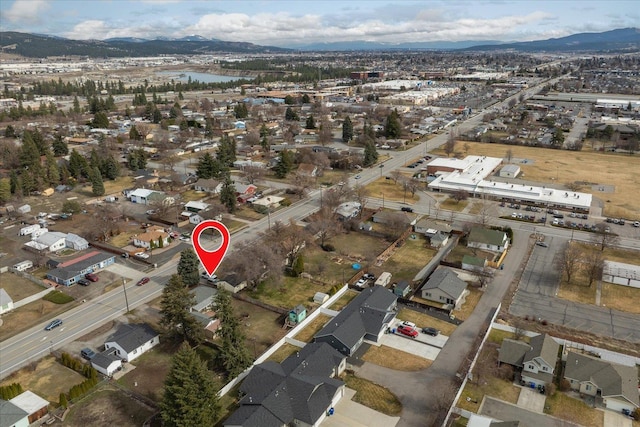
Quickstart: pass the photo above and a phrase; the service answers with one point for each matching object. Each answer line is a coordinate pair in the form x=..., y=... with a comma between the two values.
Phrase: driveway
x=613, y=419
x=351, y=414
x=531, y=400
x=418, y=346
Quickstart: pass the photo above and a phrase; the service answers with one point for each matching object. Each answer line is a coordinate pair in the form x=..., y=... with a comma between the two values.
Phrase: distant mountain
x=37, y=46
x=624, y=39
x=366, y=45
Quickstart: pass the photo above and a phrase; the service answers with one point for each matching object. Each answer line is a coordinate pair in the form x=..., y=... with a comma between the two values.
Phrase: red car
x=408, y=331
x=143, y=281
x=92, y=277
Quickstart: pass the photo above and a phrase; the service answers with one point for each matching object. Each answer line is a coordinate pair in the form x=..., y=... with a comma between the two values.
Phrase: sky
x=296, y=23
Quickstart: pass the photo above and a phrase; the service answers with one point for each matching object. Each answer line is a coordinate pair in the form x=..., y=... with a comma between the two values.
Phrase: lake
x=183, y=76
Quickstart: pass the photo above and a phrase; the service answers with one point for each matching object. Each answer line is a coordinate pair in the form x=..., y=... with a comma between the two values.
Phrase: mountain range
x=39, y=46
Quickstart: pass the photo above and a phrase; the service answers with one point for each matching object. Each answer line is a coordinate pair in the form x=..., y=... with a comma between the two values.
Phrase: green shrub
x=285, y=202
x=57, y=297
x=10, y=391
x=63, y=400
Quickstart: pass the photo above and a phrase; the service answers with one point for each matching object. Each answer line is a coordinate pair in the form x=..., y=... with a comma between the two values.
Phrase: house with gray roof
x=107, y=362
x=537, y=359
x=12, y=416
x=69, y=272
x=444, y=287
x=490, y=240
x=130, y=341
x=76, y=242
x=298, y=391
x=367, y=316
x=615, y=384
x=6, y=302
x=203, y=296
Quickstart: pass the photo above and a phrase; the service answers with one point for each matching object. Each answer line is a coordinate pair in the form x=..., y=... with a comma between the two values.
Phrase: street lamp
x=381, y=166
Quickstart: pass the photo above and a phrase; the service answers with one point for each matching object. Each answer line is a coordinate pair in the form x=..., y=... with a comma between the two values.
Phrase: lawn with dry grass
x=344, y=300
x=261, y=327
x=123, y=239
x=46, y=378
x=577, y=290
x=623, y=298
x=284, y=351
x=423, y=320
x=409, y=259
x=470, y=303
x=391, y=191
x=18, y=287
x=450, y=204
x=312, y=328
x=108, y=407
x=567, y=408
x=373, y=396
x=620, y=170
x=389, y=358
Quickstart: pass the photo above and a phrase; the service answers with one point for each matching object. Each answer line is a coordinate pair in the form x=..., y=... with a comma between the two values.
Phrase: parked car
x=84, y=282
x=53, y=324
x=430, y=331
x=636, y=224
x=87, y=353
x=357, y=177
x=405, y=330
x=408, y=324
x=143, y=281
x=91, y=276
x=368, y=276
x=142, y=255
x=361, y=282
x=542, y=244
x=406, y=209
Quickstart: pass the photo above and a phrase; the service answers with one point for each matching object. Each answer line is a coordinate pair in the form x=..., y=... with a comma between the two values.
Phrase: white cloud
x=27, y=11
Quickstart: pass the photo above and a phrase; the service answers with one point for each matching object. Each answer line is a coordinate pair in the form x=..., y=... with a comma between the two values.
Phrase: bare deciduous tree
x=450, y=145
x=593, y=264
x=252, y=173
x=569, y=260
x=604, y=239
x=255, y=262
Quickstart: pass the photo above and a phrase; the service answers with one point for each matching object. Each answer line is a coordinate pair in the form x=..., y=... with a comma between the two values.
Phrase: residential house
x=145, y=178
x=195, y=219
x=35, y=406
x=195, y=206
x=348, y=210
x=438, y=239
x=12, y=416
x=269, y=201
x=299, y=391
x=185, y=178
x=210, y=186
x=402, y=289
x=616, y=384
x=444, y=287
x=145, y=196
x=75, y=242
x=536, y=359
x=107, y=362
x=307, y=169
x=51, y=241
x=6, y=302
x=388, y=217
x=244, y=189
x=204, y=297
x=367, y=316
x=491, y=240
x=232, y=282
x=69, y=272
x=210, y=323
x=130, y=341
x=145, y=240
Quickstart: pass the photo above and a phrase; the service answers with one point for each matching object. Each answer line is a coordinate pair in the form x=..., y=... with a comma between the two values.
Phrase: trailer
x=384, y=279
x=23, y=265
x=29, y=229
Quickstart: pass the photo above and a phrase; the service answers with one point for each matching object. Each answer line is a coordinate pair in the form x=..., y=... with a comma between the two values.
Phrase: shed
x=298, y=314
x=32, y=404
x=48, y=191
x=402, y=289
x=509, y=171
x=320, y=298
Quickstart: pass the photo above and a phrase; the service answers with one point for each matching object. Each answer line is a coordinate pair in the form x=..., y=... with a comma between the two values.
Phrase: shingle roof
x=10, y=414
x=446, y=281
x=130, y=337
x=105, y=358
x=365, y=314
x=298, y=389
x=545, y=347
x=613, y=379
x=512, y=352
x=68, y=270
x=4, y=297
x=485, y=235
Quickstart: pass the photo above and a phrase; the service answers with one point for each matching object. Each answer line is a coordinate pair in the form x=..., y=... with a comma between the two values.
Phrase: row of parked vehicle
x=410, y=330
x=621, y=221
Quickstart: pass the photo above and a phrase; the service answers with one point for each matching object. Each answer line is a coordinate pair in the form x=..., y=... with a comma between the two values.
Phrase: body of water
x=183, y=76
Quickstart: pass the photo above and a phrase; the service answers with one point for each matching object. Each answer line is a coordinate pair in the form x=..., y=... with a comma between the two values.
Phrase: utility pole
x=126, y=300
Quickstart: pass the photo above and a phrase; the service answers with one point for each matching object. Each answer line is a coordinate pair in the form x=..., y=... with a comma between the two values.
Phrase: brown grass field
x=344, y=300
x=46, y=377
x=373, y=395
x=108, y=407
x=389, y=357
x=283, y=352
x=409, y=259
x=470, y=303
x=30, y=315
x=312, y=328
x=450, y=204
x=620, y=297
x=574, y=410
x=392, y=191
x=261, y=327
x=620, y=170
x=18, y=287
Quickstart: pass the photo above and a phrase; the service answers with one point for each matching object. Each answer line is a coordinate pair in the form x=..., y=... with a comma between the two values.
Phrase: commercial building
x=69, y=272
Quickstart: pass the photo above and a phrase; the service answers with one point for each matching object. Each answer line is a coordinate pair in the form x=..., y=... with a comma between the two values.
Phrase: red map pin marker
x=210, y=260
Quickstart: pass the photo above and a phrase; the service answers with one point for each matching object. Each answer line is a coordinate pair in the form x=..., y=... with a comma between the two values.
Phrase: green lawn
x=343, y=300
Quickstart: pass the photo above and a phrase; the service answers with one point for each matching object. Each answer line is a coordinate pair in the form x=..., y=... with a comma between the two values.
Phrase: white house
x=208, y=186
x=12, y=415
x=107, y=362
x=143, y=195
x=6, y=303
x=195, y=219
x=195, y=206
x=491, y=240
x=51, y=241
x=35, y=406
x=130, y=341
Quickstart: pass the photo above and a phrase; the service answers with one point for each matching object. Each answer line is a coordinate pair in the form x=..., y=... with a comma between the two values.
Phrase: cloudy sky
x=298, y=22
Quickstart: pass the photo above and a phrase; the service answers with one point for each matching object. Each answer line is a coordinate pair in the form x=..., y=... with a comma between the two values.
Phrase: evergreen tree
x=156, y=116
x=241, y=111
x=59, y=147
x=370, y=154
x=190, y=395
x=298, y=265
x=134, y=134
x=305, y=99
x=78, y=165
x=29, y=153
x=52, y=171
x=188, y=267
x=289, y=100
x=208, y=167
x=291, y=115
x=9, y=132
x=234, y=354
x=97, y=186
x=137, y=159
x=110, y=168
x=208, y=129
x=14, y=182
x=311, y=122
x=76, y=105
x=284, y=166
x=5, y=190
x=100, y=120
x=392, y=128
x=28, y=183
x=347, y=130
x=63, y=400
x=174, y=308
x=39, y=141
x=228, y=194
x=227, y=152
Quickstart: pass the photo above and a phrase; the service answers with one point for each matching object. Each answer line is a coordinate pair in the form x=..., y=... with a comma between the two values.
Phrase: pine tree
x=370, y=154
x=29, y=153
x=392, y=128
x=174, y=308
x=188, y=267
x=227, y=152
x=234, y=354
x=14, y=182
x=78, y=165
x=52, y=170
x=311, y=122
x=228, y=195
x=5, y=190
x=190, y=396
x=100, y=120
x=97, y=186
x=298, y=265
x=110, y=168
x=347, y=130
x=291, y=115
x=208, y=167
x=284, y=166
x=9, y=132
x=59, y=147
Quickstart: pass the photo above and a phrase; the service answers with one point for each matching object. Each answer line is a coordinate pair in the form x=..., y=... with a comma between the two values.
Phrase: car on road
x=87, y=353
x=430, y=331
x=84, y=282
x=636, y=224
x=53, y=324
x=406, y=209
x=91, y=276
x=142, y=255
x=357, y=177
x=542, y=244
x=143, y=281
x=407, y=331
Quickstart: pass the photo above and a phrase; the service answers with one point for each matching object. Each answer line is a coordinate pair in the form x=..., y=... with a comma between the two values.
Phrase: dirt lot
x=108, y=407
x=46, y=377
x=18, y=287
x=261, y=327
